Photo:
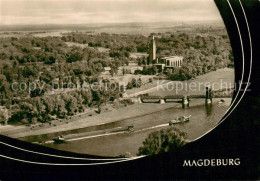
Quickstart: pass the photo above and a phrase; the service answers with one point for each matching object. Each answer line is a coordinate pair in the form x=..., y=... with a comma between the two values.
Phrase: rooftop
x=172, y=57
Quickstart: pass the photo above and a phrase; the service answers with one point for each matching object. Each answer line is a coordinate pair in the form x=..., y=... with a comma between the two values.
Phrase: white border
x=71, y=164
x=133, y=158
x=58, y=156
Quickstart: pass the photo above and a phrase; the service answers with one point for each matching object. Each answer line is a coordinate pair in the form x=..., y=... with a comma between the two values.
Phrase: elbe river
x=202, y=119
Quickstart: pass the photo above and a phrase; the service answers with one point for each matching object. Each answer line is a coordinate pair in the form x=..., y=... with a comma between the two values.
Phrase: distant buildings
x=163, y=63
x=169, y=63
x=130, y=69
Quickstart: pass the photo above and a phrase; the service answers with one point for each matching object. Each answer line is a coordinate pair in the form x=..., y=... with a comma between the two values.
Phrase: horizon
x=117, y=23
x=80, y=12
x=131, y=27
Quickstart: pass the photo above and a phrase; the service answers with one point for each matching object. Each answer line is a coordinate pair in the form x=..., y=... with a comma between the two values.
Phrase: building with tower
x=152, y=50
x=162, y=63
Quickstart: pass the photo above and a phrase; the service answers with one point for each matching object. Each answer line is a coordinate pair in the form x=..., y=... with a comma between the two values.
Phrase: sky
x=27, y=12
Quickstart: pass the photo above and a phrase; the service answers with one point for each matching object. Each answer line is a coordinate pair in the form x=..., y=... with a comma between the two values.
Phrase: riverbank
x=146, y=118
x=87, y=121
x=90, y=118
x=203, y=119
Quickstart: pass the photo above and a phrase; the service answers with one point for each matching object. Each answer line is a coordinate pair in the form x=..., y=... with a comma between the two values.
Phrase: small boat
x=221, y=101
x=41, y=142
x=180, y=119
x=59, y=139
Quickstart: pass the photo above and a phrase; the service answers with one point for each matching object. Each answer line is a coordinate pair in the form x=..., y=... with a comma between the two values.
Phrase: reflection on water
x=208, y=109
x=203, y=118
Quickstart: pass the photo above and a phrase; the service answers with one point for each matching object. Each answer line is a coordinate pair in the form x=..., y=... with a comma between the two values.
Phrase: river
x=202, y=120
x=146, y=118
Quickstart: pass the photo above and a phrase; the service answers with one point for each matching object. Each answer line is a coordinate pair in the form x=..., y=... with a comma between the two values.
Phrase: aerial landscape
x=113, y=88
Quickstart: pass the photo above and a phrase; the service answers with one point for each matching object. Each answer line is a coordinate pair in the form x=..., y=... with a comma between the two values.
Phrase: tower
x=152, y=50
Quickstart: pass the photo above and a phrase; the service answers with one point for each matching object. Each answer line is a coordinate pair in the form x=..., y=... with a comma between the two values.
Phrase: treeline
x=48, y=50
x=202, y=52
x=129, y=43
x=50, y=60
x=60, y=75
x=47, y=108
x=147, y=70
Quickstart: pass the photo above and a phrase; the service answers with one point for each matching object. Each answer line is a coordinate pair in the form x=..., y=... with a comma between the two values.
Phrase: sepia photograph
x=119, y=78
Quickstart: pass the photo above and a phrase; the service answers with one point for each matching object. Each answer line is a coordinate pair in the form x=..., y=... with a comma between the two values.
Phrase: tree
x=112, y=72
x=50, y=60
x=145, y=71
x=34, y=120
x=28, y=71
x=153, y=70
x=70, y=104
x=185, y=72
x=47, y=77
x=74, y=57
x=134, y=83
x=87, y=96
x=37, y=92
x=129, y=85
x=165, y=140
x=96, y=96
x=139, y=82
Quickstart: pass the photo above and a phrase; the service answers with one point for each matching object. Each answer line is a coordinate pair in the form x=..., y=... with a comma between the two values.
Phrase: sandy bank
x=103, y=118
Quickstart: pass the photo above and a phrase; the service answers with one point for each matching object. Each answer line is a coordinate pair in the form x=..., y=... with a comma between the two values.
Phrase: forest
x=51, y=62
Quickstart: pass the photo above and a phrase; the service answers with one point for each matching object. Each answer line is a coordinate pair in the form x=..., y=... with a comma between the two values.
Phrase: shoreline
x=101, y=119
x=118, y=143
x=84, y=128
x=109, y=114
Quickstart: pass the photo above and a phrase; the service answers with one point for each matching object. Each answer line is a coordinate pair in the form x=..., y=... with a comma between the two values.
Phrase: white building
x=172, y=61
x=163, y=63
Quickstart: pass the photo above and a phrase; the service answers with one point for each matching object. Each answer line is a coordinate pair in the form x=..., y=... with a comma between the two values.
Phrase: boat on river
x=59, y=139
x=62, y=139
x=221, y=101
x=180, y=119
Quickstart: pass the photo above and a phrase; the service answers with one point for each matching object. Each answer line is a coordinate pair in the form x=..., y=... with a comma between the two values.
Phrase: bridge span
x=185, y=99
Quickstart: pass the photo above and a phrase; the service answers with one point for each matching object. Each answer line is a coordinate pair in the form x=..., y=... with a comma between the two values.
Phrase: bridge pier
x=185, y=102
x=208, y=99
x=162, y=101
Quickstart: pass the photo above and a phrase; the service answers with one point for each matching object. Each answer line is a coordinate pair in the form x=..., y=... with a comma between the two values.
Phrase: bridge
x=185, y=99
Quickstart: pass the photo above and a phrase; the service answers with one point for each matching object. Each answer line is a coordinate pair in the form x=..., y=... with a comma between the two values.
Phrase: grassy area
x=218, y=79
